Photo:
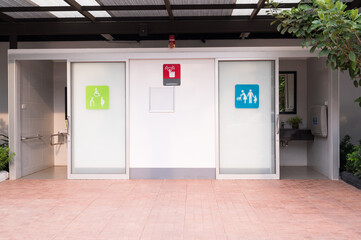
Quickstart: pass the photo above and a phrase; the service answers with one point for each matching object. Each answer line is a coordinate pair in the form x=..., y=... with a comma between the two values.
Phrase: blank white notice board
x=161, y=99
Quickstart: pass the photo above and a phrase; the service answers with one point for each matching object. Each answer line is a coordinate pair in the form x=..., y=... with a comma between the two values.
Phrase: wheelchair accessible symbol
x=247, y=96
x=97, y=97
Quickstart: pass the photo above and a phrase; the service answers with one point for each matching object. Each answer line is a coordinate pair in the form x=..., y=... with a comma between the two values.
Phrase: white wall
x=59, y=71
x=36, y=87
x=117, y=44
x=184, y=138
x=322, y=87
x=350, y=112
x=296, y=152
x=3, y=88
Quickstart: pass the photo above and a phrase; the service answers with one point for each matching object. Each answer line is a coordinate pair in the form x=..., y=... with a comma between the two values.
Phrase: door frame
x=69, y=117
x=276, y=146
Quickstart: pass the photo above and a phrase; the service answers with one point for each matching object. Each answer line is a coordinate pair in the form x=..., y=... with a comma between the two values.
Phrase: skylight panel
x=247, y=2
x=49, y=3
x=67, y=14
x=87, y=2
x=242, y=12
x=263, y=12
x=100, y=13
x=287, y=1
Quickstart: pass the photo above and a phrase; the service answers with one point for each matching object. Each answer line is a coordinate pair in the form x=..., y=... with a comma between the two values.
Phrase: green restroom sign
x=97, y=97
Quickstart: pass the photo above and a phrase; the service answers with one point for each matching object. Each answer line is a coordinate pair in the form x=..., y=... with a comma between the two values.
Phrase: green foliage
x=282, y=97
x=4, y=140
x=5, y=155
x=325, y=25
x=354, y=161
x=294, y=120
x=346, y=147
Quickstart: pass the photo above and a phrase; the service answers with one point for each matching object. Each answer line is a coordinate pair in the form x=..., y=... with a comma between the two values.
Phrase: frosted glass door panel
x=246, y=117
x=98, y=118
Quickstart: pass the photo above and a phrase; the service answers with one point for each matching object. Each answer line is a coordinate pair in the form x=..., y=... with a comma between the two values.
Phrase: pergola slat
x=138, y=7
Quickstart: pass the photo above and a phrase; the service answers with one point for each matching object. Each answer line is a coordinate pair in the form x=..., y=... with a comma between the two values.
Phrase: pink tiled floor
x=179, y=209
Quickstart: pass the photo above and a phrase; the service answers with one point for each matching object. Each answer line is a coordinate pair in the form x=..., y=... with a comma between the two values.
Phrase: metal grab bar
x=61, y=138
x=32, y=137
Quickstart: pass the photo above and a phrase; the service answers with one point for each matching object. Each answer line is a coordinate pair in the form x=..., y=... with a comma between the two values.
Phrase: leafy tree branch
x=325, y=25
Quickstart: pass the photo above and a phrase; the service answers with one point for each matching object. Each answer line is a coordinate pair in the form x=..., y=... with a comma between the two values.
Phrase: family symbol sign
x=247, y=96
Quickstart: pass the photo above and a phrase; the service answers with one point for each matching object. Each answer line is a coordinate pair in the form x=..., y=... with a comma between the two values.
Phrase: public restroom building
x=202, y=110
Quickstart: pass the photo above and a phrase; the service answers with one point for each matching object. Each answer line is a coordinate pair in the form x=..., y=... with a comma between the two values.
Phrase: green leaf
x=339, y=5
x=279, y=27
x=358, y=100
x=313, y=49
x=353, y=66
x=354, y=13
x=352, y=56
x=284, y=30
x=324, y=52
x=342, y=59
x=355, y=83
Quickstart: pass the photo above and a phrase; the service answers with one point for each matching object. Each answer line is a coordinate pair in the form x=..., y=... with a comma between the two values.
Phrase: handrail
x=31, y=137
x=59, y=134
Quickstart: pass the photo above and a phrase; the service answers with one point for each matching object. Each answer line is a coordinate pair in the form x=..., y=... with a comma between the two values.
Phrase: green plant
x=4, y=140
x=282, y=97
x=328, y=26
x=294, y=120
x=346, y=147
x=353, y=164
x=5, y=155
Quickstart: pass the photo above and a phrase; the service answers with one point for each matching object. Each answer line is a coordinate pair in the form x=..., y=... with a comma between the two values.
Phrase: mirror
x=287, y=92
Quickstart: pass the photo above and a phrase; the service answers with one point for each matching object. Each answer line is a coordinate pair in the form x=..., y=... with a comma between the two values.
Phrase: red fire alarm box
x=171, y=43
x=171, y=74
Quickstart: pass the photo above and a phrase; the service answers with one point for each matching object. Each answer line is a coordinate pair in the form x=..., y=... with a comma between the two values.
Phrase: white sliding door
x=247, y=135
x=98, y=110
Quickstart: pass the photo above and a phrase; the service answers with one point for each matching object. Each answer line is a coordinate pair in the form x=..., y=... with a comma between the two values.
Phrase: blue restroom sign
x=247, y=96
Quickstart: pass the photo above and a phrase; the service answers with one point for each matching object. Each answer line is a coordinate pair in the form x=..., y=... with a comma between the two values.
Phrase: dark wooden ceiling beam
x=138, y=19
x=169, y=10
x=260, y=5
x=139, y=7
x=156, y=27
x=5, y=17
x=77, y=7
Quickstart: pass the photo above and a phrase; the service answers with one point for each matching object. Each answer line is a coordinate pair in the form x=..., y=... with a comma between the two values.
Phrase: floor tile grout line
x=185, y=208
x=115, y=210
x=75, y=217
x=155, y=199
x=215, y=197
